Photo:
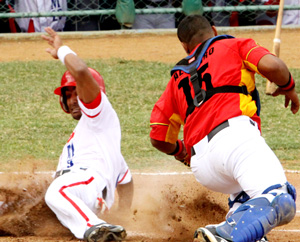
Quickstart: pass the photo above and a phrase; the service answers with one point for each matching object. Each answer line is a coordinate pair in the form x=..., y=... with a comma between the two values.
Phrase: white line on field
x=291, y=171
x=183, y=173
x=161, y=173
x=287, y=230
x=134, y=173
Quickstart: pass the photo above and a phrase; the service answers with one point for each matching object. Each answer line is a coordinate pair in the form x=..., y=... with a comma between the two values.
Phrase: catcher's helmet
x=68, y=80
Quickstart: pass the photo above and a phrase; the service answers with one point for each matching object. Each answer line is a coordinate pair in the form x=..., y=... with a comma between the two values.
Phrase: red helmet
x=68, y=80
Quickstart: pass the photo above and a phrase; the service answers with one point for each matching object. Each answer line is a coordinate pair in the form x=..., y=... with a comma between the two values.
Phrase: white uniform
x=93, y=156
x=29, y=6
x=237, y=159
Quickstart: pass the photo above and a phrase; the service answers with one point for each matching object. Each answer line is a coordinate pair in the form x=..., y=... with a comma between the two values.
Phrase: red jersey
x=226, y=62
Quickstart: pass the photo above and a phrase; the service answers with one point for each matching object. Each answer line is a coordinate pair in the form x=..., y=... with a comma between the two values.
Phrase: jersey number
x=70, y=148
x=185, y=84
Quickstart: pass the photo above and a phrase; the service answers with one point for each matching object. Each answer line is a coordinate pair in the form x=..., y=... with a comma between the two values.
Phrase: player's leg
x=72, y=198
x=249, y=165
x=271, y=198
x=254, y=218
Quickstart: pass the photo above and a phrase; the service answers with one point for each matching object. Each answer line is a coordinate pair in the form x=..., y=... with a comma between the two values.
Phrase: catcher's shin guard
x=256, y=217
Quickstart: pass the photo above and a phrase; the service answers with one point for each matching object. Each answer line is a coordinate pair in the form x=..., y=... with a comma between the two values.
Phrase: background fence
x=81, y=15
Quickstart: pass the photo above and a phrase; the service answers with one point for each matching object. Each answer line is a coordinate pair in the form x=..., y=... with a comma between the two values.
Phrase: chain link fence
x=89, y=15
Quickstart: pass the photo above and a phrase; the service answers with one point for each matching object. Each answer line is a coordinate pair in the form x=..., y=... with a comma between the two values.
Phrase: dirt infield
x=166, y=207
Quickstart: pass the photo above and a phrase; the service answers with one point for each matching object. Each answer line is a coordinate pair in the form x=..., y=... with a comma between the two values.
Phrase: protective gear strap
x=291, y=190
x=241, y=198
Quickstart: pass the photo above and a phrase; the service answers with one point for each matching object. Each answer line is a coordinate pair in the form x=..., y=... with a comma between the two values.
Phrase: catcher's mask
x=68, y=80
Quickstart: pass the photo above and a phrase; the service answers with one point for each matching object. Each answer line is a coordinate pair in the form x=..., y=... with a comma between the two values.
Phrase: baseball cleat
x=105, y=232
x=204, y=235
x=209, y=234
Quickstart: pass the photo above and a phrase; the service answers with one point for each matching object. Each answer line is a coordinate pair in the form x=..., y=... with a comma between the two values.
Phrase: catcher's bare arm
x=276, y=71
x=163, y=146
x=178, y=149
x=87, y=88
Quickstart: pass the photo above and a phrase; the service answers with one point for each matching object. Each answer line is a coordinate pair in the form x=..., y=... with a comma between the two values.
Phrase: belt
x=61, y=172
x=212, y=133
x=216, y=130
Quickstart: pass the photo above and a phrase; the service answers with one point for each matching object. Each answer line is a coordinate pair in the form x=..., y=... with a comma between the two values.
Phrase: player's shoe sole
x=105, y=232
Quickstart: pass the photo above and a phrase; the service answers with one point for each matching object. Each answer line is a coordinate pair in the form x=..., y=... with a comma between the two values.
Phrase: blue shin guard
x=256, y=217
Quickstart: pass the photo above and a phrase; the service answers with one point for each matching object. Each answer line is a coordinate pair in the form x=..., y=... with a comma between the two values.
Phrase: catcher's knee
x=258, y=216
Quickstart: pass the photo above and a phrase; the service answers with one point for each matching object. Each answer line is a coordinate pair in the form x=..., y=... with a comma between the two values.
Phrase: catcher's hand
x=290, y=96
x=182, y=154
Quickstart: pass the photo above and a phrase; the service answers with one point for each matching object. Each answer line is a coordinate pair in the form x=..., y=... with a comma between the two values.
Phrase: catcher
x=212, y=93
x=91, y=165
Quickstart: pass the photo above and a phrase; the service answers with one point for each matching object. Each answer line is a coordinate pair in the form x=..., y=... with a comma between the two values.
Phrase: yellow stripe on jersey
x=247, y=105
x=174, y=128
x=158, y=124
x=251, y=50
x=249, y=64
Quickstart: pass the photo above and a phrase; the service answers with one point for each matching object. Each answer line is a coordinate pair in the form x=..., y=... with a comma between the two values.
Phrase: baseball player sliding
x=212, y=93
x=91, y=165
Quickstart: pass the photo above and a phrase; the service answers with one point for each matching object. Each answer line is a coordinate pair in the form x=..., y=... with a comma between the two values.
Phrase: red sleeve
x=256, y=54
x=94, y=103
x=165, y=121
x=251, y=52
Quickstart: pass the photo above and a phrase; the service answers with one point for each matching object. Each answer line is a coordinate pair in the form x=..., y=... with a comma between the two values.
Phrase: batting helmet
x=68, y=80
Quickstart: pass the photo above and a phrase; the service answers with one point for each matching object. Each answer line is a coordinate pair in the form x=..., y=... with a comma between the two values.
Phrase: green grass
x=33, y=126
x=280, y=127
